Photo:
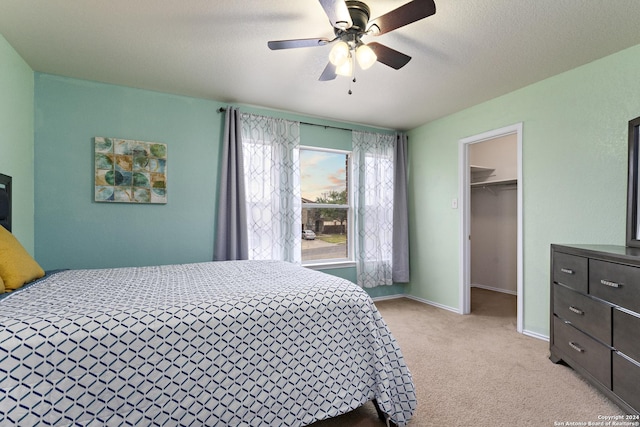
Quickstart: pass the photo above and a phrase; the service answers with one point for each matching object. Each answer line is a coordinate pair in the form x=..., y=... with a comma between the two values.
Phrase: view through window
x=326, y=211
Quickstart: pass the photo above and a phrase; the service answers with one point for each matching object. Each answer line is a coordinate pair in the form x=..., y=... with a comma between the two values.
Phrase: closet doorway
x=490, y=167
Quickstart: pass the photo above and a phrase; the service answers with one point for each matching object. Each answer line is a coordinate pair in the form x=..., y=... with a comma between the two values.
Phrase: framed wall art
x=129, y=171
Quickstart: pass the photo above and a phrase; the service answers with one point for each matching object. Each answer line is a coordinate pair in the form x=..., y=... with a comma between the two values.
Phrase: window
x=326, y=206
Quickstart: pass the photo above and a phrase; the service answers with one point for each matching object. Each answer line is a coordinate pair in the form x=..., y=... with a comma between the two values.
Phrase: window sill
x=329, y=265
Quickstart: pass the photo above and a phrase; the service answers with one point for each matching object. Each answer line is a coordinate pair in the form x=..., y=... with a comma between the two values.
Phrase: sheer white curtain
x=373, y=158
x=272, y=181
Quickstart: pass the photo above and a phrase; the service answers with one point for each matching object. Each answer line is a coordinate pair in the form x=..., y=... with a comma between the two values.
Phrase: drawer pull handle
x=576, y=310
x=610, y=283
x=576, y=347
x=567, y=270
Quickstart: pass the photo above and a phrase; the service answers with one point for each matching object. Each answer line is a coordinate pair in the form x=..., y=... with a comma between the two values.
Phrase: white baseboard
x=490, y=288
x=435, y=304
x=424, y=301
x=388, y=297
x=535, y=335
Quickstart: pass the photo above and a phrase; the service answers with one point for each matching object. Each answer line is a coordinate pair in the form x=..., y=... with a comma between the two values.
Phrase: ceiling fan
x=350, y=21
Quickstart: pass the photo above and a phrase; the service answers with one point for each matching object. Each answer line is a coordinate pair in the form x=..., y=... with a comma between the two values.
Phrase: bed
x=233, y=343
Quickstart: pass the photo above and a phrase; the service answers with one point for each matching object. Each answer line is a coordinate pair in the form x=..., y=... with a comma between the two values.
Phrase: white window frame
x=336, y=262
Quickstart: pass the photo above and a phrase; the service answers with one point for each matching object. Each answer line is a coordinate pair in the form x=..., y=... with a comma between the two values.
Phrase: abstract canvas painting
x=129, y=171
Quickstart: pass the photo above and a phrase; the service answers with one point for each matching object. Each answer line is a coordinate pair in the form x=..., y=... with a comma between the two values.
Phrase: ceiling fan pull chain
x=353, y=80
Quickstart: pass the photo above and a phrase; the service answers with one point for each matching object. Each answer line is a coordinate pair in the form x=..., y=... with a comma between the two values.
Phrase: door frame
x=464, y=181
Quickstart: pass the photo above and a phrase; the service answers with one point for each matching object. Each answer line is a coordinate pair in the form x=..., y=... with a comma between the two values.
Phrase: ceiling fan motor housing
x=360, y=14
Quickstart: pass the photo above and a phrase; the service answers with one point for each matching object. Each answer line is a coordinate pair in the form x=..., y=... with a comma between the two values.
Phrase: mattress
x=235, y=343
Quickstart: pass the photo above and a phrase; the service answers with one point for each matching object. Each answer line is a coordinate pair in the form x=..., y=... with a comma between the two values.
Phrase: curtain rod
x=222, y=110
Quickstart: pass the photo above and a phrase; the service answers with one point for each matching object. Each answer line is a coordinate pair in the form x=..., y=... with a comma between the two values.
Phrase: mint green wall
x=72, y=231
x=574, y=175
x=16, y=139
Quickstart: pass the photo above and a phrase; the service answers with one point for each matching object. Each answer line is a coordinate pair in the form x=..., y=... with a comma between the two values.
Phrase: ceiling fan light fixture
x=346, y=68
x=366, y=56
x=373, y=30
x=339, y=54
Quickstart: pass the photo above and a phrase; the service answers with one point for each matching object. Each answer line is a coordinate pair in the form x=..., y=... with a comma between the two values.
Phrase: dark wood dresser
x=595, y=317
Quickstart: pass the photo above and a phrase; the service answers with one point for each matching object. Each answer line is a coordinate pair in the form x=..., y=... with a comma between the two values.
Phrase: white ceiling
x=470, y=51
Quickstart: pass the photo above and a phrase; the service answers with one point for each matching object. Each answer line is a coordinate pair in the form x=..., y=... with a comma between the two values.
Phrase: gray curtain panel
x=400, y=269
x=231, y=231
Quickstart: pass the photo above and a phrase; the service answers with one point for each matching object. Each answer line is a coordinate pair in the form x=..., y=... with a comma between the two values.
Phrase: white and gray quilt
x=236, y=343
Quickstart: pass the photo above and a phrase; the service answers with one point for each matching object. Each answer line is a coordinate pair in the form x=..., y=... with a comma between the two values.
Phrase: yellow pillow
x=16, y=265
x=1, y=285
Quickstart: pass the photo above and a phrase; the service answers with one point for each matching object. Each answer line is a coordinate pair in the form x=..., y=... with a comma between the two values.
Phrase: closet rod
x=498, y=187
x=222, y=110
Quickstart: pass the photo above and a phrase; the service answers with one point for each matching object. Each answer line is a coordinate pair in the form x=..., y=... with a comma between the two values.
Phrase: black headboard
x=5, y=201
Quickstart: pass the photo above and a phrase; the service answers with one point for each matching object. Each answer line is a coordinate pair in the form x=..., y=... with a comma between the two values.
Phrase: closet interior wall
x=494, y=210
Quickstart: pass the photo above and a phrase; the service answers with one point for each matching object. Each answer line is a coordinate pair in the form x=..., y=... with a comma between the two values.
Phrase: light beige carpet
x=476, y=370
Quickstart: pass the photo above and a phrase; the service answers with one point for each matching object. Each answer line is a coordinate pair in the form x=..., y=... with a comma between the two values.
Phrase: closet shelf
x=475, y=169
x=480, y=174
x=494, y=183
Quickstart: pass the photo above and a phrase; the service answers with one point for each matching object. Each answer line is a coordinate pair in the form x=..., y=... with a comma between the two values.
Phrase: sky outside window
x=321, y=173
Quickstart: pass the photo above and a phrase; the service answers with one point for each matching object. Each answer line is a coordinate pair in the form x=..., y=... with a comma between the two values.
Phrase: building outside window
x=327, y=213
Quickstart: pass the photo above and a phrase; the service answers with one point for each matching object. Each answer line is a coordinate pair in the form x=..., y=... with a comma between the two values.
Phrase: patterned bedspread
x=237, y=343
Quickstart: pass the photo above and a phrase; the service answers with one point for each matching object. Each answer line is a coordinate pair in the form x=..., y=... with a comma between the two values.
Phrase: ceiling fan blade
x=388, y=56
x=411, y=12
x=329, y=73
x=338, y=13
x=291, y=44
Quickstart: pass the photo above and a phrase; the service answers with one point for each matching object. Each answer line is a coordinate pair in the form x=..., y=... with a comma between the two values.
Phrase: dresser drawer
x=626, y=377
x=571, y=270
x=626, y=334
x=617, y=283
x=591, y=355
x=586, y=314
